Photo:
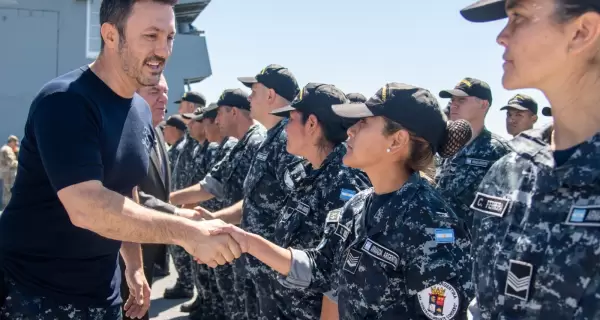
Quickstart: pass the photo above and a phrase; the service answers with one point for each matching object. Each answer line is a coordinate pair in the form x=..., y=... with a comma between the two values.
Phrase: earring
x=388, y=150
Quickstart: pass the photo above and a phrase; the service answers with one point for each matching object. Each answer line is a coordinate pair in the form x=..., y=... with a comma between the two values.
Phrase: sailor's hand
x=205, y=214
x=213, y=250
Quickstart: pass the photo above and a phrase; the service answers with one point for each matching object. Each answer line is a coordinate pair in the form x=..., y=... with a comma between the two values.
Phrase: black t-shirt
x=77, y=130
x=562, y=156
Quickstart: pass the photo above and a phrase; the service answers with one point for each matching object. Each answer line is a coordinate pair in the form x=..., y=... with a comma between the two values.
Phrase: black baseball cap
x=315, y=98
x=414, y=108
x=209, y=112
x=547, y=111
x=469, y=87
x=485, y=11
x=522, y=102
x=193, y=97
x=177, y=122
x=355, y=97
x=277, y=78
x=233, y=98
x=191, y=115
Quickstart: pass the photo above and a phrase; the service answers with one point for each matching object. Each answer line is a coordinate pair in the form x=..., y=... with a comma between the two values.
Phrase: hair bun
x=458, y=134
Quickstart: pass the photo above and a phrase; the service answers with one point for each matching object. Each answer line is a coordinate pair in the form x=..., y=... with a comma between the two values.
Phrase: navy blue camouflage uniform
x=220, y=301
x=536, y=233
x=313, y=194
x=458, y=177
x=401, y=255
x=174, y=152
x=264, y=198
x=182, y=178
x=20, y=300
x=225, y=181
x=203, y=156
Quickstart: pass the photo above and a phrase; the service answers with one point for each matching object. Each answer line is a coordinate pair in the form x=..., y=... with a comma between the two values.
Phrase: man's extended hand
x=138, y=302
x=212, y=250
x=240, y=236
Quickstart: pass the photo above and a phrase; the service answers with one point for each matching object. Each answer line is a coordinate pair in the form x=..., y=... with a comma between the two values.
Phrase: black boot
x=190, y=307
x=177, y=292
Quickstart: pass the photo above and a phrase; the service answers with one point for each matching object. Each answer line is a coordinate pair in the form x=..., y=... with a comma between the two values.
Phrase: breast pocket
x=467, y=180
x=571, y=268
x=290, y=222
x=256, y=173
x=370, y=273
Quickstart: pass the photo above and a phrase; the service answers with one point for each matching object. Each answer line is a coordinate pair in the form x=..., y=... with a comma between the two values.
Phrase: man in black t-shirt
x=69, y=217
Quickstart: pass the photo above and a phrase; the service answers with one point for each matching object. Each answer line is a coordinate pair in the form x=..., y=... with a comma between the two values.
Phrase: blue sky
x=356, y=45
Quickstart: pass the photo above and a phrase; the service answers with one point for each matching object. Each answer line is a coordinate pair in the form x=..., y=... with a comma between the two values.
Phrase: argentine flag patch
x=444, y=235
x=346, y=194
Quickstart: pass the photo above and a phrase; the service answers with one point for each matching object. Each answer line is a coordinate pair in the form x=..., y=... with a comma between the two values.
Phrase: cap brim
x=446, y=94
x=177, y=102
x=283, y=111
x=484, y=11
x=248, y=81
x=514, y=106
x=210, y=107
x=198, y=117
x=352, y=110
x=187, y=115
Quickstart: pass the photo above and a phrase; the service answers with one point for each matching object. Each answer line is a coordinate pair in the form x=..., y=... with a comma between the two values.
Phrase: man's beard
x=133, y=67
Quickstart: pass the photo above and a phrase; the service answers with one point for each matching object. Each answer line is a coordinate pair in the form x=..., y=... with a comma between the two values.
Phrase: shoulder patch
x=444, y=235
x=439, y=302
x=347, y=194
x=585, y=216
x=491, y=205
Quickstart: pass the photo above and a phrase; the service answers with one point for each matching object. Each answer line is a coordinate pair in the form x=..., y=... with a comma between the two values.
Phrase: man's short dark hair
x=116, y=12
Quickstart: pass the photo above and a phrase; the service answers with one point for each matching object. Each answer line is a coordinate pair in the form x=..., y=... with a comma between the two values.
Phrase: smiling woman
x=552, y=192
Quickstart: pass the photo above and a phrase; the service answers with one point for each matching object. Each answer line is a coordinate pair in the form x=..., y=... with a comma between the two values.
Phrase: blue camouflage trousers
x=244, y=290
x=233, y=303
x=212, y=303
x=183, y=264
x=21, y=306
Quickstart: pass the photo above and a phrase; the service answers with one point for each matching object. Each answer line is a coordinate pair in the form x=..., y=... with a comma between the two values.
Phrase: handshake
x=211, y=241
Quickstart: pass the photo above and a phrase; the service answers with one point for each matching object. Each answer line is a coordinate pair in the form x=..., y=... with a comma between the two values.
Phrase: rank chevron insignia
x=352, y=260
x=518, y=280
x=518, y=284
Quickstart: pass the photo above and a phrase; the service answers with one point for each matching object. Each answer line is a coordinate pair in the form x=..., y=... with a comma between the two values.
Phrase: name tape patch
x=352, y=261
x=444, y=235
x=439, y=302
x=585, y=216
x=381, y=253
x=494, y=206
x=477, y=162
x=303, y=208
x=346, y=194
x=518, y=280
x=443, y=214
x=342, y=231
x=262, y=156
